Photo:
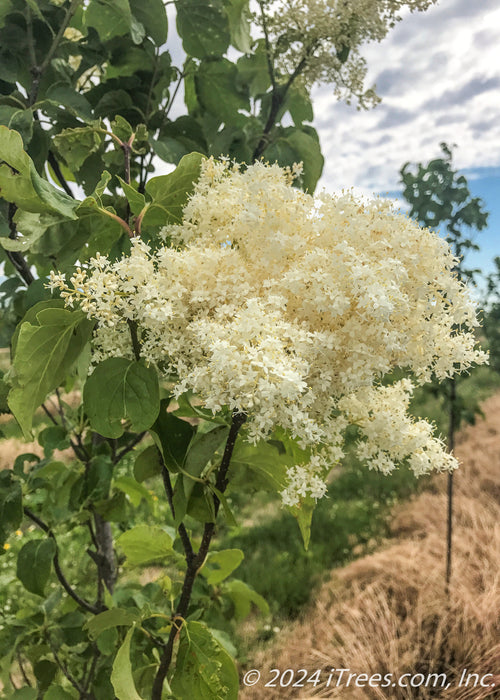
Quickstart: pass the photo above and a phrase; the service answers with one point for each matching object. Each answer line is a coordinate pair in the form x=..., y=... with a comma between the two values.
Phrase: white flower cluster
x=324, y=38
x=303, y=481
x=291, y=309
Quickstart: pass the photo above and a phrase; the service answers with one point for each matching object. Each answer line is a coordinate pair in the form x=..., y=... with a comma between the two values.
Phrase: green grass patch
x=349, y=521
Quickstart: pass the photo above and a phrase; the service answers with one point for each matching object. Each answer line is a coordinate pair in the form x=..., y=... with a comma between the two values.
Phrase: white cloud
x=439, y=78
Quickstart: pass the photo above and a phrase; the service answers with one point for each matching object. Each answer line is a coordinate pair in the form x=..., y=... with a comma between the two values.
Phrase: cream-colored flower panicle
x=321, y=39
x=291, y=309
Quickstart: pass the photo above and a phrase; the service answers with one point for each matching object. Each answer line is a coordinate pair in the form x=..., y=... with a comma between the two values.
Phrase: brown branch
x=135, y=339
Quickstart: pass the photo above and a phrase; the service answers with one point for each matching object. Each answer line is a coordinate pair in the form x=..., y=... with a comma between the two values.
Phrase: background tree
x=440, y=199
x=492, y=315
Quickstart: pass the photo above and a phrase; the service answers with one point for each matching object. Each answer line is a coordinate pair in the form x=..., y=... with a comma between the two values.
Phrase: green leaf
x=230, y=519
x=239, y=25
x=300, y=107
x=309, y=152
x=44, y=352
x=97, y=480
x=109, y=18
x=56, y=692
x=116, y=617
x=24, y=694
x=32, y=226
x=22, y=121
x=136, y=200
x=153, y=15
x=55, y=437
x=121, y=675
x=34, y=563
x=131, y=488
x=4, y=392
x=137, y=31
x=76, y=145
x=12, y=151
x=219, y=565
x=171, y=192
x=208, y=440
x=143, y=544
x=303, y=513
x=120, y=389
x=21, y=184
x=169, y=149
x=5, y=8
x=113, y=509
x=243, y=597
x=191, y=410
x=203, y=28
x=264, y=460
x=295, y=146
x=204, y=670
x=218, y=92
x=147, y=464
x=172, y=437
x=253, y=70
x=45, y=672
x=200, y=505
x=11, y=505
x=121, y=128
x=77, y=104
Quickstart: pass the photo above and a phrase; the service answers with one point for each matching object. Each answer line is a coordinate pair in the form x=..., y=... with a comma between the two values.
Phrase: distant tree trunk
x=451, y=447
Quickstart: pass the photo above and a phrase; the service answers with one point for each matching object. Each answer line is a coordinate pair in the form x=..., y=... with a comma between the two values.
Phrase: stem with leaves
x=95, y=609
x=279, y=93
x=194, y=561
x=37, y=71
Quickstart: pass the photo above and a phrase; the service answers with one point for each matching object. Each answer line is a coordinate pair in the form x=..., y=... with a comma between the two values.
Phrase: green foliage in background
x=440, y=198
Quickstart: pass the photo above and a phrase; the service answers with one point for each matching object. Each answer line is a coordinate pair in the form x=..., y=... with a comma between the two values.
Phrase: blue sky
x=438, y=75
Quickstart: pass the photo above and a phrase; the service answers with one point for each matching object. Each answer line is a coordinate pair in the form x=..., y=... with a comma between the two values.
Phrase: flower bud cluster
x=291, y=309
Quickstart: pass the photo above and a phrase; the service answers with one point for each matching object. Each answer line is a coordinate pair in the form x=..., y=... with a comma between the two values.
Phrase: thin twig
x=16, y=258
x=92, y=670
x=63, y=667
x=57, y=568
x=128, y=448
x=23, y=672
x=270, y=67
x=49, y=414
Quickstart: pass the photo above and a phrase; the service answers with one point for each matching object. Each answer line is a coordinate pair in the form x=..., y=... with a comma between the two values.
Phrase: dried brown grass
x=13, y=447
x=389, y=613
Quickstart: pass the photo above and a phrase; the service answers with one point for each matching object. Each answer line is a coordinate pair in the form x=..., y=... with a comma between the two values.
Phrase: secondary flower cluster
x=291, y=309
x=324, y=38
